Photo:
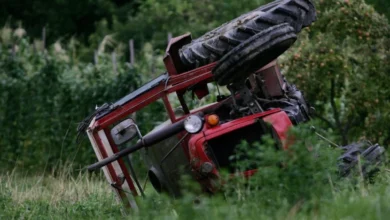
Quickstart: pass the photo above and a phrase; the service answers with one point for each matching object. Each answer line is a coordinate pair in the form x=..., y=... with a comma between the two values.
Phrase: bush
x=302, y=175
x=342, y=65
x=43, y=96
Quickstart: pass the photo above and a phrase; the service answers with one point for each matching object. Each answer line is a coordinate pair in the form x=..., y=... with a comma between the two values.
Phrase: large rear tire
x=253, y=54
x=218, y=42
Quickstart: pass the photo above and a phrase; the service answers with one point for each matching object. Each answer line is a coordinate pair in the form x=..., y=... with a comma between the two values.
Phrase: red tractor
x=200, y=142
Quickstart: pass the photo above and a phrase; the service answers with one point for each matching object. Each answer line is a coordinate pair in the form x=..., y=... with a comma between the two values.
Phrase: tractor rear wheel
x=215, y=44
x=253, y=54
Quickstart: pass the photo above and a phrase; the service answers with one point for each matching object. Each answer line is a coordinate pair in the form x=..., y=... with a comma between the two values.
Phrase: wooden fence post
x=131, y=50
x=169, y=37
x=43, y=38
x=95, y=57
x=113, y=55
x=13, y=51
x=153, y=63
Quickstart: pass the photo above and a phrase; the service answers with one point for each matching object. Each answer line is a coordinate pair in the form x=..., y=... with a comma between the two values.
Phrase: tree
x=382, y=6
x=342, y=63
x=63, y=19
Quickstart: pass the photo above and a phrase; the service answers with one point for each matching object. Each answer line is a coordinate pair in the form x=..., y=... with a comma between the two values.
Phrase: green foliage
x=85, y=18
x=43, y=97
x=283, y=176
x=62, y=19
x=179, y=17
x=342, y=65
x=382, y=6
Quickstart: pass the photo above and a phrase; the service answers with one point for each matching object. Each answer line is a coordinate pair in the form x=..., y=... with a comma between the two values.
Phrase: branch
x=324, y=120
x=335, y=111
x=351, y=123
x=333, y=103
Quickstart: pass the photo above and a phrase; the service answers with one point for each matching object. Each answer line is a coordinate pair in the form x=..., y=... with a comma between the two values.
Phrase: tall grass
x=301, y=183
x=89, y=197
x=55, y=195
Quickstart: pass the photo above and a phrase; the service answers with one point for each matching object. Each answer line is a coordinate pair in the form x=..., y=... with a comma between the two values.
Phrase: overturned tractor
x=240, y=55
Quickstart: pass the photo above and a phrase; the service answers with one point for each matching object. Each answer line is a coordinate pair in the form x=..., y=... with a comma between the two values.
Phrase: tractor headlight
x=193, y=124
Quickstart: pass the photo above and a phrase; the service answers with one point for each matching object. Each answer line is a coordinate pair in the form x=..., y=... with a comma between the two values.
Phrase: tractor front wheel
x=362, y=157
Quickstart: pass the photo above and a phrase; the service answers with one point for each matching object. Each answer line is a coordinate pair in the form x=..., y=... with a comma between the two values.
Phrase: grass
x=86, y=197
x=304, y=185
x=50, y=196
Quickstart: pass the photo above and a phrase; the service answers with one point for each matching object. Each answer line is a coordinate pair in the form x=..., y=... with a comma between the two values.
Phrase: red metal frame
x=121, y=163
x=114, y=175
x=279, y=121
x=179, y=81
x=175, y=83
